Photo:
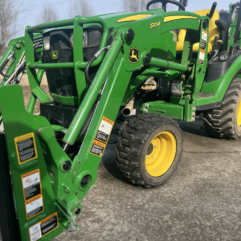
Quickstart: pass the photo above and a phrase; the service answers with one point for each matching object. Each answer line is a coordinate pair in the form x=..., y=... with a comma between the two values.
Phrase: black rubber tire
x=133, y=141
x=221, y=122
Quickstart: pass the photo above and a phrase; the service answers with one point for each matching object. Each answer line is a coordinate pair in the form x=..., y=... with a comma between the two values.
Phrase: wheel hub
x=239, y=114
x=160, y=154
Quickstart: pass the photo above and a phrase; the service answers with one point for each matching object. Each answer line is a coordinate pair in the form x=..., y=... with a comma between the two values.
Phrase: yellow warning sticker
x=201, y=56
x=34, y=206
x=204, y=39
x=97, y=148
x=133, y=18
x=26, y=148
x=31, y=184
x=104, y=130
x=43, y=227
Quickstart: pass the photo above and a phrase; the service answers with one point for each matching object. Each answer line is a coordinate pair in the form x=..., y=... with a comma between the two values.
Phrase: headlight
x=71, y=40
x=85, y=39
x=47, y=43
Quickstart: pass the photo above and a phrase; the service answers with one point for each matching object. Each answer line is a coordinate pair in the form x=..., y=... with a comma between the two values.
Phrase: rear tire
x=140, y=157
x=225, y=121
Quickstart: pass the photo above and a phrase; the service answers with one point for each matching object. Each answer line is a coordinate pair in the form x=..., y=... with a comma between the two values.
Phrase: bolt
x=147, y=58
x=77, y=211
x=146, y=105
x=145, y=110
x=194, y=109
x=156, y=146
x=193, y=114
x=130, y=34
x=67, y=166
x=66, y=189
x=193, y=119
x=17, y=45
x=152, y=155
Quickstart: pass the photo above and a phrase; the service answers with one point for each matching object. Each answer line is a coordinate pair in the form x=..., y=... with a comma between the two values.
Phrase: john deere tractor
x=128, y=73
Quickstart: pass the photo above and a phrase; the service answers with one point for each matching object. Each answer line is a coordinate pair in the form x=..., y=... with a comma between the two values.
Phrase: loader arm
x=33, y=151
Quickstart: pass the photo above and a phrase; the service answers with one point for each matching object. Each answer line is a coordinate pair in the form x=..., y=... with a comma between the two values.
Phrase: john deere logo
x=54, y=54
x=134, y=55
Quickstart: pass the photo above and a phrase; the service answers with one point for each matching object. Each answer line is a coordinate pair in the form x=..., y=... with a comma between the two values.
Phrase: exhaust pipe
x=128, y=108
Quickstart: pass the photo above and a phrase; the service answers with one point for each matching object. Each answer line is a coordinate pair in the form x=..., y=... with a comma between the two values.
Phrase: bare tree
x=10, y=12
x=80, y=7
x=48, y=14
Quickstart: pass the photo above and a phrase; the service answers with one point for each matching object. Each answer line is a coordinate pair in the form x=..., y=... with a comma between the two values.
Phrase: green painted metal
x=65, y=100
x=33, y=98
x=163, y=108
x=93, y=91
x=220, y=86
x=165, y=64
x=116, y=81
x=51, y=66
x=18, y=53
x=12, y=105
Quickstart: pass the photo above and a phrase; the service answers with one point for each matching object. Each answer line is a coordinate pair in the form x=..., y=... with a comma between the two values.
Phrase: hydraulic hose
x=3, y=64
x=89, y=119
x=87, y=77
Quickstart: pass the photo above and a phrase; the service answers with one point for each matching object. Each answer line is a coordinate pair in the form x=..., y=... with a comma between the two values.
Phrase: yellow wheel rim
x=239, y=114
x=161, y=153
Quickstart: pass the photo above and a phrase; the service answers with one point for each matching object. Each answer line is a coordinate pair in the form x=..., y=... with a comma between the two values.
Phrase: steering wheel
x=164, y=3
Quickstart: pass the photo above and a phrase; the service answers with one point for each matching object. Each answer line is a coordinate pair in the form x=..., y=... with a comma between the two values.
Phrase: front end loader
x=133, y=74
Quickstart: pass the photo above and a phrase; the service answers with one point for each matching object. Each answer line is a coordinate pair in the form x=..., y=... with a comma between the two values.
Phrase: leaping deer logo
x=134, y=55
x=54, y=54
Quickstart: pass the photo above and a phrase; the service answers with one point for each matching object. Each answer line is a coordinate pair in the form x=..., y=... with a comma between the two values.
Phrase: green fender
x=220, y=86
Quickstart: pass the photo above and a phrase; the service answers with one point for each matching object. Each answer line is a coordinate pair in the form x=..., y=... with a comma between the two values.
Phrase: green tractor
x=126, y=73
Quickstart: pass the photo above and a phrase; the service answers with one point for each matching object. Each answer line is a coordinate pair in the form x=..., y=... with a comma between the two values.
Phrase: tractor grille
x=62, y=81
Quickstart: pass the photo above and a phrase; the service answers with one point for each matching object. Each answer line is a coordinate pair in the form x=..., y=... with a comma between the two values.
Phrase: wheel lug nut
x=156, y=145
x=152, y=155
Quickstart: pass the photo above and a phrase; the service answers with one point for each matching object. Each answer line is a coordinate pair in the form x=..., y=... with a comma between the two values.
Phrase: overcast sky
x=102, y=7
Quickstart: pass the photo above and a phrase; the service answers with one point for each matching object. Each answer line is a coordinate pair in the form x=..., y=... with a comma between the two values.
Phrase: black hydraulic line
x=87, y=77
x=66, y=146
x=237, y=31
x=112, y=141
x=1, y=68
x=84, y=129
x=97, y=54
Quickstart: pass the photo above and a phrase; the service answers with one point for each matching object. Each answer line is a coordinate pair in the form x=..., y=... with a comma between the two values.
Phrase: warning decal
x=43, y=227
x=34, y=206
x=204, y=39
x=31, y=184
x=203, y=47
x=26, y=148
x=104, y=130
x=201, y=56
x=97, y=148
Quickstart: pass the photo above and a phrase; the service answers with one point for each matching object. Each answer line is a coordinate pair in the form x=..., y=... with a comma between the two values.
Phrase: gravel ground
x=200, y=202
